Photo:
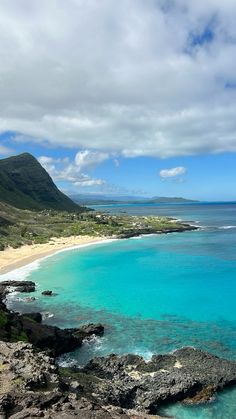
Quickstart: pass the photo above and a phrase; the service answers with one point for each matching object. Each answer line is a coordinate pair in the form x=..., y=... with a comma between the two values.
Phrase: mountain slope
x=24, y=183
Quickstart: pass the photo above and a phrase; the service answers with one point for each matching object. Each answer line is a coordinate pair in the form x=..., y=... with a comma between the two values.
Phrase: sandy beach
x=16, y=258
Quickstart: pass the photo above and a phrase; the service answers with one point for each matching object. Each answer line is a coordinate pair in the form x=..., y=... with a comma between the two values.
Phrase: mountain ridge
x=25, y=184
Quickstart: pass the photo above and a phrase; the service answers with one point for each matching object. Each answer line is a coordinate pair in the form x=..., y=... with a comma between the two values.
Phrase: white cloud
x=128, y=77
x=85, y=180
x=175, y=171
x=5, y=151
x=116, y=162
x=89, y=159
x=48, y=163
x=62, y=169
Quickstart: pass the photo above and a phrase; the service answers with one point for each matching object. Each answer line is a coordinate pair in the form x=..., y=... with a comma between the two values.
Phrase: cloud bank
x=130, y=78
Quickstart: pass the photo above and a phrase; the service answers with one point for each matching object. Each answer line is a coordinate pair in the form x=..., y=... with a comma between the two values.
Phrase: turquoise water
x=154, y=294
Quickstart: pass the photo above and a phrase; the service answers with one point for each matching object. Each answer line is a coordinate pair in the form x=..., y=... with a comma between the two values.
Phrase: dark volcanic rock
x=92, y=329
x=88, y=330
x=130, y=382
x=29, y=299
x=110, y=387
x=28, y=327
x=21, y=286
x=37, y=317
x=27, y=286
x=47, y=292
x=57, y=340
x=31, y=387
x=145, y=231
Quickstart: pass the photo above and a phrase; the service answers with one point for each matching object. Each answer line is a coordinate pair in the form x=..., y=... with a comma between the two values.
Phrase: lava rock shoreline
x=33, y=385
x=28, y=327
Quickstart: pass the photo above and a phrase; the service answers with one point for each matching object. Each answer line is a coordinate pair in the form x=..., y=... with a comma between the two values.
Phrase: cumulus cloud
x=175, y=171
x=89, y=159
x=128, y=77
x=63, y=169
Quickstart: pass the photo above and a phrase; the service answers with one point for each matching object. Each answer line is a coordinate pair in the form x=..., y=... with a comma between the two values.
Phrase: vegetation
x=33, y=210
x=18, y=227
x=3, y=318
x=25, y=184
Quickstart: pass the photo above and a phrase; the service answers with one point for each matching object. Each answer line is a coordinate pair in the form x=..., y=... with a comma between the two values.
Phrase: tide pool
x=154, y=294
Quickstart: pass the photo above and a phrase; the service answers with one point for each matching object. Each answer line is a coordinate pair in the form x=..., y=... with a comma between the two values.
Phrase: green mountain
x=25, y=184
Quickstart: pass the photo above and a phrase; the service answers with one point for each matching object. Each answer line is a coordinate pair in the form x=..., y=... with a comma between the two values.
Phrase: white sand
x=11, y=259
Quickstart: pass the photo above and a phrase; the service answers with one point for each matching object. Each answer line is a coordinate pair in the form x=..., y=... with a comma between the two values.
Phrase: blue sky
x=127, y=97
x=206, y=177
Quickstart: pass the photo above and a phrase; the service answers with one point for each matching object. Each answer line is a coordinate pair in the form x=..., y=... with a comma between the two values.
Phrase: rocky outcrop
x=88, y=330
x=31, y=387
x=26, y=368
x=28, y=328
x=21, y=286
x=36, y=317
x=130, y=382
x=52, y=338
x=47, y=292
x=146, y=231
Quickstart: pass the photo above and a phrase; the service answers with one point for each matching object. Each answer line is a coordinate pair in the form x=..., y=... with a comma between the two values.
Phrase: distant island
x=98, y=199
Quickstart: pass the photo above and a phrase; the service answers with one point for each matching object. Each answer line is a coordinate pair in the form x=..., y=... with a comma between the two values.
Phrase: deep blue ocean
x=154, y=294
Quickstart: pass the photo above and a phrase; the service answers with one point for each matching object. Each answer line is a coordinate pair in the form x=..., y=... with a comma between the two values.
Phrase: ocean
x=154, y=293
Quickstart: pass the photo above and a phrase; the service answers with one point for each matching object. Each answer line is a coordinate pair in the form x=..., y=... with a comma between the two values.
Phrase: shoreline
x=12, y=259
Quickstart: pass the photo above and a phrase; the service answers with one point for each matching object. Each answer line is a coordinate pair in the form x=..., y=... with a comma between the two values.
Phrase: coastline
x=11, y=259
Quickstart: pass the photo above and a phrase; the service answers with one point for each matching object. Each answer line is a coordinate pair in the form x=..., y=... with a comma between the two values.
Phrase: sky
x=133, y=97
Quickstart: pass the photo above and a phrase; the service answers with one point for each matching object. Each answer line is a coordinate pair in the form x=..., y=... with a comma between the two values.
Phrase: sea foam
x=226, y=227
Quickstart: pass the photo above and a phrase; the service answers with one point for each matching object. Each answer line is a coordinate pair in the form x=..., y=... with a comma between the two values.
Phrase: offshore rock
x=47, y=292
x=88, y=330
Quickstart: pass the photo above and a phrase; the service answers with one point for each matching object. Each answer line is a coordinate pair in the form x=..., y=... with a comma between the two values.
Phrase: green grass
x=16, y=336
x=3, y=318
x=18, y=227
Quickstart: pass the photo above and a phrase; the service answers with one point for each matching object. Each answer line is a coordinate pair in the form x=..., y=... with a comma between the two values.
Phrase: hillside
x=18, y=227
x=25, y=184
